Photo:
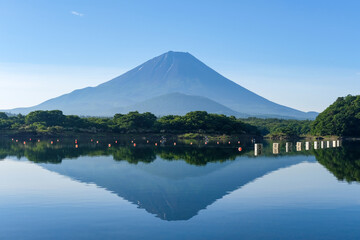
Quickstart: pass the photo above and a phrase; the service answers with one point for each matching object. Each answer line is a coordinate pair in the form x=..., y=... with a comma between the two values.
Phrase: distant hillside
x=168, y=73
x=180, y=104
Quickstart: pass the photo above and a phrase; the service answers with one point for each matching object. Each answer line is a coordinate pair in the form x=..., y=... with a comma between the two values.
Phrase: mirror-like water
x=88, y=190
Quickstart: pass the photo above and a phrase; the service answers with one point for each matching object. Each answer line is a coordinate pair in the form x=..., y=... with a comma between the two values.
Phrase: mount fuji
x=172, y=83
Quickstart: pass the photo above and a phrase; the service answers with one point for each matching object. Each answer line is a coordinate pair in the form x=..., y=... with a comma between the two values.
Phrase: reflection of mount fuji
x=172, y=190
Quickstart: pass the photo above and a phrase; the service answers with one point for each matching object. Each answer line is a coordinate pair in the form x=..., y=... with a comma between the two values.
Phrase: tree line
x=277, y=128
x=342, y=118
x=134, y=122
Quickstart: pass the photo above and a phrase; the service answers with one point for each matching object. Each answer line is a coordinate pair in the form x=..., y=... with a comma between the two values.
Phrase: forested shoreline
x=342, y=118
x=134, y=122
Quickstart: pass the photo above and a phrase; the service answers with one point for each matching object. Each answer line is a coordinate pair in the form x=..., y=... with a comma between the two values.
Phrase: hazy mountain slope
x=180, y=104
x=167, y=73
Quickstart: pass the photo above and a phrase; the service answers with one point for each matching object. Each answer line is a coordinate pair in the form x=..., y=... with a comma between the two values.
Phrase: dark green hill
x=342, y=118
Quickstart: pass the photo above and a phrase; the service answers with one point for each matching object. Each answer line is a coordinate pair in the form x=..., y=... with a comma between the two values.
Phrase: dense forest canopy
x=342, y=118
x=280, y=127
x=133, y=122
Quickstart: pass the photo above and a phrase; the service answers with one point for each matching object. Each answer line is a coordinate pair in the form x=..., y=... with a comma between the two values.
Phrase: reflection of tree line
x=193, y=155
x=46, y=153
x=199, y=156
x=343, y=162
x=196, y=155
x=42, y=152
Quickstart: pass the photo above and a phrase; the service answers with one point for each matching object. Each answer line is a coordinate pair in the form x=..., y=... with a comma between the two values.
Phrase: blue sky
x=303, y=54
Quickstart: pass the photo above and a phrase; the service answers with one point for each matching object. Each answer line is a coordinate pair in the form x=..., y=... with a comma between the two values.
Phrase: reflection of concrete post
x=338, y=143
x=307, y=145
x=322, y=144
x=334, y=144
x=316, y=146
x=258, y=149
x=327, y=144
x=288, y=147
x=298, y=146
x=275, y=148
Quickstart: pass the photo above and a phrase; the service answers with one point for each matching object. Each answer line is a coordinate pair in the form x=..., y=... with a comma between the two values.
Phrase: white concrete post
x=275, y=148
x=258, y=149
x=316, y=146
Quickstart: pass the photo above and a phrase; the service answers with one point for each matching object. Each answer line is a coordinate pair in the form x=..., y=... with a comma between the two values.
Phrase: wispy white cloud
x=77, y=13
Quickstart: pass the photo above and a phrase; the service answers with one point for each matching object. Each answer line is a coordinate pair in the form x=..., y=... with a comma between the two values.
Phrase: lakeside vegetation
x=192, y=125
x=133, y=122
x=342, y=118
x=280, y=128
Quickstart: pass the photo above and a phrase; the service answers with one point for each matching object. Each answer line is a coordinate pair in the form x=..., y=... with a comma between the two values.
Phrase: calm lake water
x=88, y=190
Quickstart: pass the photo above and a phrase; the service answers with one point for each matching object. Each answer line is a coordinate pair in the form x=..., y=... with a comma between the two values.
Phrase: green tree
x=3, y=115
x=47, y=118
x=135, y=121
